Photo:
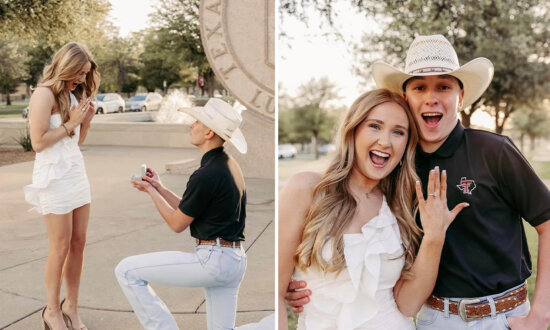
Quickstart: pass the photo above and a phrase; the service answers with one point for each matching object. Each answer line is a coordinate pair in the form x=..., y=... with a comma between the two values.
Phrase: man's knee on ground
x=126, y=274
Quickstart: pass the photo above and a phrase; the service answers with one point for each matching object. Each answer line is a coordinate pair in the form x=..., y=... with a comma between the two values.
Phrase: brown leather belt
x=473, y=309
x=222, y=242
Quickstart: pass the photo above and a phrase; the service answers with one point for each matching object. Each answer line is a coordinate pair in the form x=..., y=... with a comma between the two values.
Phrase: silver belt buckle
x=462, y=309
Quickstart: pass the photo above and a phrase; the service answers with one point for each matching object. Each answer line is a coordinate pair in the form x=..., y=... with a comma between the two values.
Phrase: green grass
x=542, y=169
x=533, y=242
x=10, y=115
x=292, y=319
x=14, y=110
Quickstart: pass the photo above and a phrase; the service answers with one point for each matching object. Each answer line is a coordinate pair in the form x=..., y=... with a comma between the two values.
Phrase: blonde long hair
x=66, y=65
x=334, y=205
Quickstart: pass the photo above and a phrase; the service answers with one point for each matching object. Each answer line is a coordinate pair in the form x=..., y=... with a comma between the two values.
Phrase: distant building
x=21, y=93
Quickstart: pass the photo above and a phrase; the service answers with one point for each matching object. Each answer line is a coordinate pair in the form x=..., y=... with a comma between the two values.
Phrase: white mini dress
x=361, y=296
x=59, y=180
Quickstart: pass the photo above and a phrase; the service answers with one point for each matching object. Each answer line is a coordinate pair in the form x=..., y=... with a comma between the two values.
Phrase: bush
x=25, y=140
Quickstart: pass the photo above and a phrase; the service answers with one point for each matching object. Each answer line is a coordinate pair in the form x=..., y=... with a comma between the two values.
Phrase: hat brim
x=237, y=139
x=475, y=76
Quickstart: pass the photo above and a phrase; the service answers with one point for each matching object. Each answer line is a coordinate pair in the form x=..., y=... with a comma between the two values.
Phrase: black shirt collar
x=450, y=145
x=210, y=154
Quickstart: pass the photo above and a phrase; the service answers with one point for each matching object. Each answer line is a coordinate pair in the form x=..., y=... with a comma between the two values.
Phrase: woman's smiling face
x=80, y=77
x=380, y=140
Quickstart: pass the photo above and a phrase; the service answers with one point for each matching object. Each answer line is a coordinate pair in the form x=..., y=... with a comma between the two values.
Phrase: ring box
x=143, y=173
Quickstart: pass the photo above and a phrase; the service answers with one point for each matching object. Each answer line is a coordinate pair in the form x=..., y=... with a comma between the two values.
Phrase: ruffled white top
x=361, y=296
x=59, y=181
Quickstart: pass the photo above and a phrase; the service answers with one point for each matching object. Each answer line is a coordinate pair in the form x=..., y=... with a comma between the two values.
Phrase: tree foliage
x=531, y=122
x=512, y=34
x=169, y=51
x=159, y=63
x=177, y=29
x=38, y=55
x=299, y=8
x=42, y=27
x=119, y=64
x=308, y=116
x=12, y=67
x=54, y=22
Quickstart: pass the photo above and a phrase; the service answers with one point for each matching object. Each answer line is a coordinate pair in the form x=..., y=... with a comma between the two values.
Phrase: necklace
x=370, y=193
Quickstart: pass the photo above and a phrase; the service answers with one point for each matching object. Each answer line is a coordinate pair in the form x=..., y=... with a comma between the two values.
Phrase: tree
x=119, y=64
x=299, y=8
x=54, y=22
x=42, y=27
x=531, y=122
x=26, y=18
x=38, y=56
x=177, y=24
x=284, y=127
x=12, y=67
x=159, y=64
x=512, y=34
x=309, y=116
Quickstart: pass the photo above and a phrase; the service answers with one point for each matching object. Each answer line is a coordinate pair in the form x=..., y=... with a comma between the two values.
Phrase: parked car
x=109, y=102
x=25, y=112
x=144, y=102
x=287, y=151
x=326, y=148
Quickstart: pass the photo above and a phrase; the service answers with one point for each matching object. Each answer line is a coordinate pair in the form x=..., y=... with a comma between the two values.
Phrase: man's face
x=434, y=101
x=198, y=133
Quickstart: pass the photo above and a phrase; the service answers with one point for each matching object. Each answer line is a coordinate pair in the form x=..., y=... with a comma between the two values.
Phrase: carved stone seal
x=238, y=39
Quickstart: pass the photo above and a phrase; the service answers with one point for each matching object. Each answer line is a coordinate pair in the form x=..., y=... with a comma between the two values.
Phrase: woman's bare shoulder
x=43, y=95
x=302, y=184
x=305, y=179
x=43, y=92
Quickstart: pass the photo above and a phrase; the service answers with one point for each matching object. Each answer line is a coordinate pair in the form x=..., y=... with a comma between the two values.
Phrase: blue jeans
x=219, y=270
x=267, y=323
x=432, y=319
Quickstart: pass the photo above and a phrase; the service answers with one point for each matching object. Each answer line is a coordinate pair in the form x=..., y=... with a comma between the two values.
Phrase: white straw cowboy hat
x=220, y=117
x=434, y=55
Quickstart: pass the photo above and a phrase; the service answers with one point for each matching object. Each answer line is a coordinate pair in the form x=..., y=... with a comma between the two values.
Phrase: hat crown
x=223, y=119
x=431, y=54
x=222, y=115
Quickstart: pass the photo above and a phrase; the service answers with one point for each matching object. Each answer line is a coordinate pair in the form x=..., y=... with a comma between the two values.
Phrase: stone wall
x=114, y=134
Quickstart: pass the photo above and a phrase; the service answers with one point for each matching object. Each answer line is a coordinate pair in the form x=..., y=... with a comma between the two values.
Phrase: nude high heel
x=45, y=324
x=66, y=317
x=68, y=320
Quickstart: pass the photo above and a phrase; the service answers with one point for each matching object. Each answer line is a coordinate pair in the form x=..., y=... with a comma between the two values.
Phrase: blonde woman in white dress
x=350, y=232
x=60, y=113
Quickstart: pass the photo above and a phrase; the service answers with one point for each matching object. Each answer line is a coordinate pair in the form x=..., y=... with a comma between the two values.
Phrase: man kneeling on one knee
x=213, y=206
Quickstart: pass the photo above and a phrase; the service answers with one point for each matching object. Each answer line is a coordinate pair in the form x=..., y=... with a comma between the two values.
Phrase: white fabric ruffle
x=352, y=300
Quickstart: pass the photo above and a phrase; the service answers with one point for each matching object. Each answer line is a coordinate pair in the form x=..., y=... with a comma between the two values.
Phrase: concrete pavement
x=123, y=222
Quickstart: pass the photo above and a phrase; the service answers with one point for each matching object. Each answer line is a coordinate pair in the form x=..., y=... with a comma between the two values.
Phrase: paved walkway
x=123, y=222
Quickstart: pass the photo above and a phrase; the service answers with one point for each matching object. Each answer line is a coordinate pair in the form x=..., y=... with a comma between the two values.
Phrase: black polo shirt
x=485, y=250
x=213, y=198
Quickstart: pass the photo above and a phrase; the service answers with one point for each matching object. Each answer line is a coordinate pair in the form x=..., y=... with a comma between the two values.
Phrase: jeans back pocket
x=232, y=265
x=203, y=253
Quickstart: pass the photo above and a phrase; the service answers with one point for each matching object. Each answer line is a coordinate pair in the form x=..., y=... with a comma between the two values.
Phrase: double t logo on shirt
x=466, y=186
